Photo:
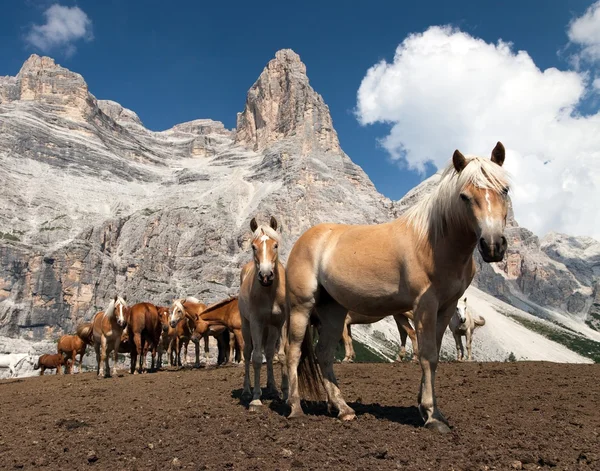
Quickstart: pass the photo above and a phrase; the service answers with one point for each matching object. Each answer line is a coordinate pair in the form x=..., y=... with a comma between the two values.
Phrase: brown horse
x=107, y=329
x=404, y=328
x=47, y=362
x=73, y=345
x=144, y=327
x=422, y=261
x=262, y=305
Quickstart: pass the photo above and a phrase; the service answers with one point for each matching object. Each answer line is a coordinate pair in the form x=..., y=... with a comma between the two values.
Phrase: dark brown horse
x=144, y=327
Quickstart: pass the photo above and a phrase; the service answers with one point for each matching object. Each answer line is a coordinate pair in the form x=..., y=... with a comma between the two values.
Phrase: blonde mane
x=110, y=310
x=442, y=209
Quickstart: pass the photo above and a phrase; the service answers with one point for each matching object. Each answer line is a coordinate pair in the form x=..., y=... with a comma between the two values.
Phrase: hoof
x=296, y=412
x=255, y=405
x=437, y=426
x=346, y=416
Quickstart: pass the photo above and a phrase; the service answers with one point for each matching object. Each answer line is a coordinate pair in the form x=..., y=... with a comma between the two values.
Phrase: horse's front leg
x=270, y=347
x=80, y=362
x=428, y=332
x=458, y=342
x=257, y=329
x=347, y=339
x=468, y=341
x=206, y=349
x=247, y=354
x=115, y=356
x=103, y=360
x=197, y=348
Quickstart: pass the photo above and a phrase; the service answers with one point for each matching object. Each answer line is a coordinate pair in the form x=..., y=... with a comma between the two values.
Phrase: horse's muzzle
x=173, y=324
x=266, y=280
x=492, y=251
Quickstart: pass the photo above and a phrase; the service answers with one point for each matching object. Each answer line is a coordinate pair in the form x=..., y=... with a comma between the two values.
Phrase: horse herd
x=416, y=267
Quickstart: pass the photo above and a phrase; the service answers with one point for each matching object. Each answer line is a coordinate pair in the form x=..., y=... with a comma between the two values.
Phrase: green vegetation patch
x=579, y=344
x=7, y=236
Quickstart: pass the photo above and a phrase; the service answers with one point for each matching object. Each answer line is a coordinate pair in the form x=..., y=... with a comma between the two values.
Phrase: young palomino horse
x=183, y=319
x=107, y=329
x=263, y=309
x=404, y=328
x=73, y=345
x=463, y=323
x=422, y=261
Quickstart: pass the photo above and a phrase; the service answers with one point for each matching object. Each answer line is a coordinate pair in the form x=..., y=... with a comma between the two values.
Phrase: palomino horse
x=73, y=345
x=422, y=261
x=404, y=328
x=184, y=314
x=463, y=323
x=144, y=328
x=107, y=329
x=263, y=309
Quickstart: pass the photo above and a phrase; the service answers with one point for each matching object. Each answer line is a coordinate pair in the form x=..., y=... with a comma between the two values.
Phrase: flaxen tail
x=85, y=332
x=479, y=321
x=310, y=378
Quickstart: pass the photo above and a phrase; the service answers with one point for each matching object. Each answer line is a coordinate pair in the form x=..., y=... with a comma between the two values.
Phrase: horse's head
x=119, y=309
x=163, y=317
x=200, y=328
x=461, y=310
x=265, y=245
x=484, y=194
x=177, y=313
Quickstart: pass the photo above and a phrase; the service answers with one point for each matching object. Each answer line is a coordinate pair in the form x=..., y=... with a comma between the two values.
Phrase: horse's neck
x=455, y=250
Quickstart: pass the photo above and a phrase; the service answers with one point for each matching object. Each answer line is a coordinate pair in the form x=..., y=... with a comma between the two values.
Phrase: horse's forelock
x=110, y=310
x=268, y=231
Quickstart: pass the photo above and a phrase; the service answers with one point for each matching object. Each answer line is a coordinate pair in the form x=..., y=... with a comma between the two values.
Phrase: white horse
x=464, y=324
x=262, y=306
x=12, y=361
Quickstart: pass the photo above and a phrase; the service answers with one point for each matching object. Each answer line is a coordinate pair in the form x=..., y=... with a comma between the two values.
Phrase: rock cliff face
x=92, y=203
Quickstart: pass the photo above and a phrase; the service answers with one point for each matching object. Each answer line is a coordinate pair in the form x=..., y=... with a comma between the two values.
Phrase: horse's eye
x=254, y=248
x=465, y=197
x=275, y=246
x=505, y=190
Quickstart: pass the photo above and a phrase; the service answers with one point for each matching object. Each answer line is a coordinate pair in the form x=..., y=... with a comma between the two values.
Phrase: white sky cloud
x=63, y=28
x=446, y=89
x=584, y=31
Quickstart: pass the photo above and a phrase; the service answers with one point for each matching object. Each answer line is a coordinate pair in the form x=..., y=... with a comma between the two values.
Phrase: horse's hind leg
x=197, y=348
x=332, y=317
x=404, y=329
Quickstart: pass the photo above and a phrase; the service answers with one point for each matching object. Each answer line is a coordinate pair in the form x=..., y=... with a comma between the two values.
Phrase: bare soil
x=525, y=415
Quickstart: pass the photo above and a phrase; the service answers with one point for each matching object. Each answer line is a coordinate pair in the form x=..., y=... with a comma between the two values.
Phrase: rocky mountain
x=93, y=203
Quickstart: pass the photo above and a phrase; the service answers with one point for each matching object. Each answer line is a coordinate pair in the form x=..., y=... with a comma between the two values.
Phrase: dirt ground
x=504, y=416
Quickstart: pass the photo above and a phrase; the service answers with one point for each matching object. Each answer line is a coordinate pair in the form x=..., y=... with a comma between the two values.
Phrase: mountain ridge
x=94, y=201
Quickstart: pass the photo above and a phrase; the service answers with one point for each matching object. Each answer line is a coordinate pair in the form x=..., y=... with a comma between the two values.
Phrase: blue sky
x=178, y=61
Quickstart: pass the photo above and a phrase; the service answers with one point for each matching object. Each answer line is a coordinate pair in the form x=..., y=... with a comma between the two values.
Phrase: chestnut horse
x=404, y=328
x=48, y=362
x=73, y=345
x=144, y=328
x=422, y=261
x=107, y=329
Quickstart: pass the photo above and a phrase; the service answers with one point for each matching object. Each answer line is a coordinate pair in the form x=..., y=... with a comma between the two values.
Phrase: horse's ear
x=124, y=298
x=115, y=298
x=498, y=154
x=273, y=223
x=459, y=161
x=253, y=225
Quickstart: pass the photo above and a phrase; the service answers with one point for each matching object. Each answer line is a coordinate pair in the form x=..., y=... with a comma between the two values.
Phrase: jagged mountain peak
x=282, y=104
